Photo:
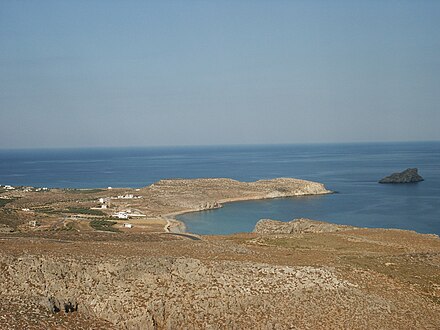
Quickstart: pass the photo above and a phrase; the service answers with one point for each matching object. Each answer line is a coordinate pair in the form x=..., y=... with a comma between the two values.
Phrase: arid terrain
x=68, y=262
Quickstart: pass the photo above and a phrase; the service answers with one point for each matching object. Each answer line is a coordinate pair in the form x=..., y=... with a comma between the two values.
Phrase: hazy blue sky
x=131, y=73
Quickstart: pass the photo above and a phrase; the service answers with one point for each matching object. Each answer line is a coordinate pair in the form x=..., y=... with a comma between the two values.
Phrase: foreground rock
x=408, y=176
x=297, y=226
x=350, y=279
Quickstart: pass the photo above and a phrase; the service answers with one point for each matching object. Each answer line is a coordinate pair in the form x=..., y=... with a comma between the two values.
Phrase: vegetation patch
x=82, y=210
x=4, y=201
x=47, y=210
x=11, y=218
x=104, y=225
x=84, y=191
x=74, y=210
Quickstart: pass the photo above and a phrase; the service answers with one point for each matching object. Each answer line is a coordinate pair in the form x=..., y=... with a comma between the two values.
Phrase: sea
x=352, y=171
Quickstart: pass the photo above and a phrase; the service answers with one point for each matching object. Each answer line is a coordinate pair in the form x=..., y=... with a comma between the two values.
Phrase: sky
x=154, y=73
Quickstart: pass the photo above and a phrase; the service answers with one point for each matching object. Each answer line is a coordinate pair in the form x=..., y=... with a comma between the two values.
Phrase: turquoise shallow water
x=350, y=169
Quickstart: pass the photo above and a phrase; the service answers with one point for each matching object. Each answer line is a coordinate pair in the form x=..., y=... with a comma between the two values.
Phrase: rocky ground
x=297, y=226
x=303, y=275
x=356, y=279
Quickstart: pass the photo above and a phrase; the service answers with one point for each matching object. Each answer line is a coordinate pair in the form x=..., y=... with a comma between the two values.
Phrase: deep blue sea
x=350, y=169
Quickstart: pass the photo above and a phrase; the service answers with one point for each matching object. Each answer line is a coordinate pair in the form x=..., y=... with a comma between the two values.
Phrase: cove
x=366, y=204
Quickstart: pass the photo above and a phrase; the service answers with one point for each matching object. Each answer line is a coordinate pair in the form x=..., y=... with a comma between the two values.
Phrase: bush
x=104, y=225
x=4, y=201
x=83, y=191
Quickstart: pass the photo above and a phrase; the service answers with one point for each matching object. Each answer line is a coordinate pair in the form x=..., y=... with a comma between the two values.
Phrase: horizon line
x=214, y=145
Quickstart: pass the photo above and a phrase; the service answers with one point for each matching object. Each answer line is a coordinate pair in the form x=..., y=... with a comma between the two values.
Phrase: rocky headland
x=297, y=226
x=410, y=175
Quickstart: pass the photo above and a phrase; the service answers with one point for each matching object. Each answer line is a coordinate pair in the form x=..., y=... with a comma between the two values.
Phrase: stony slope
x=357, y=279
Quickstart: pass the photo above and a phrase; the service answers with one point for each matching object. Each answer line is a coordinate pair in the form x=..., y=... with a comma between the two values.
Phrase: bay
x=352, y=170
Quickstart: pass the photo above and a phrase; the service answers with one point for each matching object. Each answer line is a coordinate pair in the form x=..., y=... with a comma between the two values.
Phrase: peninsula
x=114, y=259
x=151, y=208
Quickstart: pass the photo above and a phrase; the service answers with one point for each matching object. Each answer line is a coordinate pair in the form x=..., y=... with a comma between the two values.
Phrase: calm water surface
x=350, y=169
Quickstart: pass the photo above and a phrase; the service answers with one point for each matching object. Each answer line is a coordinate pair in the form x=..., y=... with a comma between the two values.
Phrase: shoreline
x=174, y=225
x=164, y=200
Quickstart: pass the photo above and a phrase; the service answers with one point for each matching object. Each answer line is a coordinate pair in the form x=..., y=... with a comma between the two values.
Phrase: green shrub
x=4, y=201
x=104, y=225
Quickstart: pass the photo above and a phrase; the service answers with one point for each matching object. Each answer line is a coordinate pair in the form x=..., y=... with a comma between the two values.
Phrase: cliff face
x=408, y=176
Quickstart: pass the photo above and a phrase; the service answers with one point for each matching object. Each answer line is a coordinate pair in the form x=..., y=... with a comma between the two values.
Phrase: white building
x=128, y=225
x=121, y=215
x=128, y=196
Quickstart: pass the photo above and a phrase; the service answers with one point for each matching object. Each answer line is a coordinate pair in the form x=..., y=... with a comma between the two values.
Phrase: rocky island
x=68, y=261
x=410, y=175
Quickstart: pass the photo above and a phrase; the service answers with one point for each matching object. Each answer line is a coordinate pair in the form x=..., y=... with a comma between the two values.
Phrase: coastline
x=174, y=225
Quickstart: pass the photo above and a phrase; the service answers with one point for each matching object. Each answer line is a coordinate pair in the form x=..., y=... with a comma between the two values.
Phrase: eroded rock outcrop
x=408, y=176
x=5, y=228
x=209, y=206
x=168, y=293
x=297, y=226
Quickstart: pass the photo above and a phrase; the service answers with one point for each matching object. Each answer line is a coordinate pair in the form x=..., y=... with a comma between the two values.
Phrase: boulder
x=5, y=228
x=408, y=176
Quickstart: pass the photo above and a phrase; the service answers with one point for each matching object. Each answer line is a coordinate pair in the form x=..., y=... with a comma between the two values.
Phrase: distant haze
x=143, y=73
